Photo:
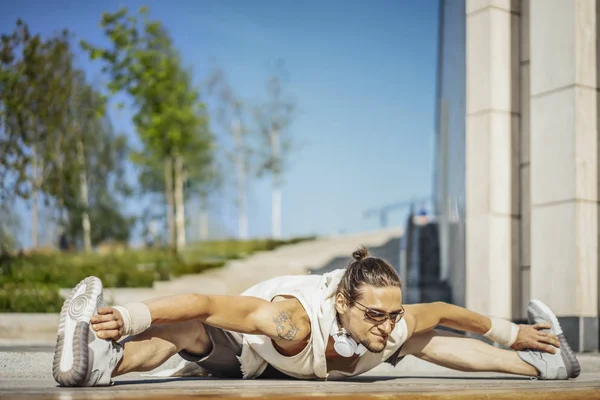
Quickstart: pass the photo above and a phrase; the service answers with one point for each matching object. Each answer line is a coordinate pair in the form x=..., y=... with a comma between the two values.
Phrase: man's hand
x=108, y=324
x=529, y=337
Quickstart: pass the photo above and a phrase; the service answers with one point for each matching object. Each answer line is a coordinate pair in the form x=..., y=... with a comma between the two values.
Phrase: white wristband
x=503, y=332
x=136, y=318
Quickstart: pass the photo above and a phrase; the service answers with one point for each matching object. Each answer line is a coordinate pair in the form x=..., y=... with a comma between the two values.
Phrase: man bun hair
x=366, y=270
x=361, y=253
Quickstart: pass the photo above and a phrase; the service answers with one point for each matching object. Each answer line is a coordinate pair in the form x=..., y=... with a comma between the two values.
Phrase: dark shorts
x=222, y=360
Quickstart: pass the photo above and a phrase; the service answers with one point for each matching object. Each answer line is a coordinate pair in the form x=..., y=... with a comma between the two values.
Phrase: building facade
x=517, y=185
x=449, y=181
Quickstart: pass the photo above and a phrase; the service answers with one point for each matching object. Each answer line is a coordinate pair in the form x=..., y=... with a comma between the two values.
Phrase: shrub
x=31, y=298
x=67, y=271
x=195, y=268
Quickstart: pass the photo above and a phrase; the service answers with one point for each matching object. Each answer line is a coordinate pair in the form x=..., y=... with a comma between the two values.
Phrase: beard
x=374, y=347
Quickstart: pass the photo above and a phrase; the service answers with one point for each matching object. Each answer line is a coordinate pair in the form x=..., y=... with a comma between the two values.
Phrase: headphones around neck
x=343, y=344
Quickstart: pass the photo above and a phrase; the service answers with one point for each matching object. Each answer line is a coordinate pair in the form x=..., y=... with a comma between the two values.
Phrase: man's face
x=371, y=334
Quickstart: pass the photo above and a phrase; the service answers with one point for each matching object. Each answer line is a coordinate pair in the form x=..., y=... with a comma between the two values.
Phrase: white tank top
x=316, y=293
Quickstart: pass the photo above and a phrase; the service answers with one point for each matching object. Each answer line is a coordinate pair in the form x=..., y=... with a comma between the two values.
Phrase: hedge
x=33, y=297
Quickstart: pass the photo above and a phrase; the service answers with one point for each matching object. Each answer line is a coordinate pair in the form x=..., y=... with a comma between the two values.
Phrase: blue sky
x=362, y=74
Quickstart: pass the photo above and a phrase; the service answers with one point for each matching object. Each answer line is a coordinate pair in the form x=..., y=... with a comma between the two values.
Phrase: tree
x=85, y=108
x=143, y=63
x=99, y=155
x=202, y=176
x=13, y=142
x=231, y=116
x=9, y=226
x=273, y=118
x=34, y=85
x=194, y=152
x=53, y=136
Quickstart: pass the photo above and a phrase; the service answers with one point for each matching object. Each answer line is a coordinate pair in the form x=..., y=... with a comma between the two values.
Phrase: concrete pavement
x=27, y=374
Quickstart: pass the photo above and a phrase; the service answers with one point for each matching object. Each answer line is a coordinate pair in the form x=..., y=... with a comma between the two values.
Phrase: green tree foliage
x=54, y=140
x=33, y=90
x=169, y=118
x=100, y=158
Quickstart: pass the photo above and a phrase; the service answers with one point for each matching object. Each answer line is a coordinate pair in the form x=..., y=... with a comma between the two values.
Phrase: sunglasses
x=379, y=316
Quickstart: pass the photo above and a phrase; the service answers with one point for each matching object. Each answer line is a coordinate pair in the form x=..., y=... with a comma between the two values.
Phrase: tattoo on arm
x=284, y=326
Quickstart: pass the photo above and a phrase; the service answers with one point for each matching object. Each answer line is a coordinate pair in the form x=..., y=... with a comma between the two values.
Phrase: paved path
x=28, y=375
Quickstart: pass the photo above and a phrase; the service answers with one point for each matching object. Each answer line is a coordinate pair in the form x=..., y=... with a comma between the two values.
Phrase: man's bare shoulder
x=410, y=317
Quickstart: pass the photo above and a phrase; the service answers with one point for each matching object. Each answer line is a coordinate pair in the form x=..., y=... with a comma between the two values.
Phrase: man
x=341, y=324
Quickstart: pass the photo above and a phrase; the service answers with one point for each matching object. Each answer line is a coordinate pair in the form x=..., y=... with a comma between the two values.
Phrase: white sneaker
x=560, y=366
x=80, y=357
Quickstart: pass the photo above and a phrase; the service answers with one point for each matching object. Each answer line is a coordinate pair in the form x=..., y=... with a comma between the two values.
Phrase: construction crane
x=383, y=211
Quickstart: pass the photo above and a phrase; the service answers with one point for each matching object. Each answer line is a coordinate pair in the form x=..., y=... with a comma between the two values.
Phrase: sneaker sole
x=568, y=355
x=71, y=355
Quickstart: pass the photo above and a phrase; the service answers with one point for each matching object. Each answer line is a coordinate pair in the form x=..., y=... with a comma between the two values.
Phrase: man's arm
x=429, y=315
x=283, y=321
x=425, y=317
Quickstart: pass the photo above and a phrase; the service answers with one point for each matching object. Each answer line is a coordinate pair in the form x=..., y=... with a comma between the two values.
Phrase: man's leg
x=152, y=348
x=465, y=354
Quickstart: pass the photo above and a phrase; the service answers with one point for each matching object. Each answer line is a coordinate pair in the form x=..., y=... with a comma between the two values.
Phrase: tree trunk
x=276, y=208
x=203, y=217
x=34, y=196
x=179, y=203
x=243, y=213
x=169, y=197
x=240, y=166
x=58, y=159
x=85, y=216
x=276, y=194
